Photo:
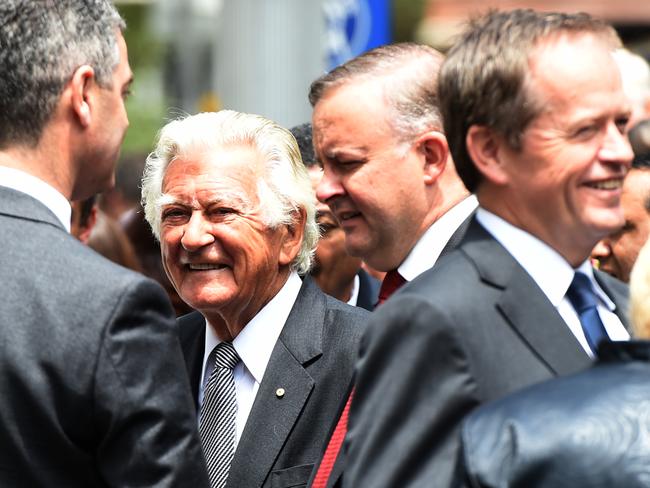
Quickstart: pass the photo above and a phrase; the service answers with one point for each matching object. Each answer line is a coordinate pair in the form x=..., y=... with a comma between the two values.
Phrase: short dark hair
x=408, y=74
x=303, y=136
x=483, y=80
x=42, y=43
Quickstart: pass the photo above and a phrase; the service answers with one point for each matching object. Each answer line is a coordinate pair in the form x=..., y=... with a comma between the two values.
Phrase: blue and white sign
x=354, y=26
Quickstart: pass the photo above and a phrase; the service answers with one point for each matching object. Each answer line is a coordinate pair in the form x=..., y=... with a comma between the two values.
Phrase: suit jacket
x=368, y=291
x=90, y=390
x=588, y=430
x=313, y=360
x=335, y=478
x=471, y=330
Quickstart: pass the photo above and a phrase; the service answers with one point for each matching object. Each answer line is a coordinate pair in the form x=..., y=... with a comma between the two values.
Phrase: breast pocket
x=293, y=477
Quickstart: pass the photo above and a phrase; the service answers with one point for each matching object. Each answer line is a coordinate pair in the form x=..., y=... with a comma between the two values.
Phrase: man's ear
x=433, y=145
x=485, y=149
x=293, y=234
x=81, y=100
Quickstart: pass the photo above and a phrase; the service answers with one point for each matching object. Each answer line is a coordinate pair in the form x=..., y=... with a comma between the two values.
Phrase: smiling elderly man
x=269, y=356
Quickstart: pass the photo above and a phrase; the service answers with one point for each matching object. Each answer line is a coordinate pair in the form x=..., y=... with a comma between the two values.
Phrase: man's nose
x=601, y=250
x=196, y=233
x=616, y=146
x=329, y=185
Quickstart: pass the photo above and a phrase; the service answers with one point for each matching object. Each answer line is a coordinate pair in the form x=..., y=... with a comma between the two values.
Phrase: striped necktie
x=218, y=412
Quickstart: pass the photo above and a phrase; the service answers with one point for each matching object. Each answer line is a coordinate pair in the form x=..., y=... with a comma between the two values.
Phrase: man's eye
x=622, y=123
x=172, y=214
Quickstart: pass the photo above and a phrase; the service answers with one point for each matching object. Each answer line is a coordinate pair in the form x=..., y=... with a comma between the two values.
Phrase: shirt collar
x=256, y=341
x=552, y=273
x=427, y=250
x=36, y=188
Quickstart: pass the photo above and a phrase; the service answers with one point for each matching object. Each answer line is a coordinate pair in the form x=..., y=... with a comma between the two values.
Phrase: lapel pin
x=279, y=392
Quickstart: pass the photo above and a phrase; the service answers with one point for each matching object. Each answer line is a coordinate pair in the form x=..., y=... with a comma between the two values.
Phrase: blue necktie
x=582, y=296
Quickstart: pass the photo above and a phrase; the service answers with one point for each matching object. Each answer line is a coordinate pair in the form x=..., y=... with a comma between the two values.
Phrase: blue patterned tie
x=582, y=296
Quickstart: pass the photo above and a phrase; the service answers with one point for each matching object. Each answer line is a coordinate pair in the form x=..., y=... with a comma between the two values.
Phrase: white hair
x=635, y=76
x=283, y=190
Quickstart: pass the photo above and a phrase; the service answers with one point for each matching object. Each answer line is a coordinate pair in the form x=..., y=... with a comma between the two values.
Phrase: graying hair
x=42, y=43
x=408, y=75
x=485, y=78
x=284, y=188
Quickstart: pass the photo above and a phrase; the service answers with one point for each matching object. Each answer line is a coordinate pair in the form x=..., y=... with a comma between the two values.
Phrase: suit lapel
x=523, y=304
x=457, y=237
x=273, y=416
x=191, y=332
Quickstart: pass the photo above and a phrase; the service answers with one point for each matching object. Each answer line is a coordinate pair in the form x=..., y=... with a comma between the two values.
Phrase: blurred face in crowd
x=617, y=252
x=333, y=266
x=370, y=177
x=217, y=250
x=564, y=185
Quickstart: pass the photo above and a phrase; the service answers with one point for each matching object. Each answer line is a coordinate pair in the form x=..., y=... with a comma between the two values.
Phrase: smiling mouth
x=204, y=266
x=613, y=184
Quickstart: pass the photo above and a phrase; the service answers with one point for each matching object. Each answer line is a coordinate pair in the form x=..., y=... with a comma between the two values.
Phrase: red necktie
x=392, y=281
x=333, y=447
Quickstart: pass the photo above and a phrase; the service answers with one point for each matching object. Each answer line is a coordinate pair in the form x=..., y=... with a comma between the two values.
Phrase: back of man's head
x=407, y=73
x=42, y=42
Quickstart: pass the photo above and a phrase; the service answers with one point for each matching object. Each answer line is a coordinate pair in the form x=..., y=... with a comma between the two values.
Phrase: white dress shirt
x=354, y=296
x=38, y=189
x=254, y=344
x=553, y=274
x=427, y=250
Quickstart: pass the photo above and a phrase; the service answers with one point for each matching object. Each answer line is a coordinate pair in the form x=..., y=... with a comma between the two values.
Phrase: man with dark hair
x=616, y=253
x=336, y=272
x=93, y=390
x=536, y=121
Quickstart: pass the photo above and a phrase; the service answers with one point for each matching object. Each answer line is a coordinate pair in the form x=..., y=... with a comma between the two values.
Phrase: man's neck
x=39, y=163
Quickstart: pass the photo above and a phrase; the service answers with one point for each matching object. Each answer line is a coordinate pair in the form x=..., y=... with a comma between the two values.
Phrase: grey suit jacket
x=313, y=361
x=92, y=391
x=473, y=329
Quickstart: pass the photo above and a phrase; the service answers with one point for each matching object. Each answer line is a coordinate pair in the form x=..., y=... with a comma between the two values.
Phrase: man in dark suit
x=231, y=202
x=535, y=117
x=90, y=390
x=336, y=272
x=387, y=175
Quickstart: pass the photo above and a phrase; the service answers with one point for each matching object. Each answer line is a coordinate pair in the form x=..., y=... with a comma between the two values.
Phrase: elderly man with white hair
x=269, y=356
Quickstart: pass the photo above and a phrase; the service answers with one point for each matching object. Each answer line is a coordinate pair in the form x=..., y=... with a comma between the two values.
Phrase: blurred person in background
x=92, y=391
x=635, y=75
x=269, y=356
x=336, y=272
x=616, y=253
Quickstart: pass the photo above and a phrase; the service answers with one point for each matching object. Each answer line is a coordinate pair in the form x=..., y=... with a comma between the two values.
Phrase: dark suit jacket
x=91, y=393
x=588, y=430
x=472, y=329
x=313, y=361
x=368, y=291
x=336, y=475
